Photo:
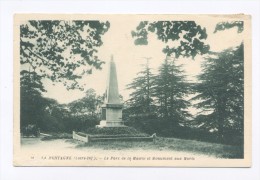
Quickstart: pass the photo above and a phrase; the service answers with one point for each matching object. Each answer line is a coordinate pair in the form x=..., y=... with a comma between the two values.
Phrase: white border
x=8, y=8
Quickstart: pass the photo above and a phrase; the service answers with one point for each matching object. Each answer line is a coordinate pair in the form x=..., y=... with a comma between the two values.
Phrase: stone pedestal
x=111, y=116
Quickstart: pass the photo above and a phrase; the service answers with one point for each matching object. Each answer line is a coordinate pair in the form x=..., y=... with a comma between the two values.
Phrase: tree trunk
x=220, y=120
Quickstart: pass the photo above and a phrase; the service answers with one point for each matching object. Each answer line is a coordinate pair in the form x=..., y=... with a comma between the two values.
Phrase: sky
x=129, y=58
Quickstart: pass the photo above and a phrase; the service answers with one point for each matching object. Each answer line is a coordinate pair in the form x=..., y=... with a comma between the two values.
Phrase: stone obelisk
x=111, y=114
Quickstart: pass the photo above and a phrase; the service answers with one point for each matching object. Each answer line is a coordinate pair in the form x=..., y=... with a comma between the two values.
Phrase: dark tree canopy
x=170, y=92
x=60, y=50
x=32, y=102
x=141, y=101
x=228, y=25
x=188, y=34
x=86, y=105
x=221, y=91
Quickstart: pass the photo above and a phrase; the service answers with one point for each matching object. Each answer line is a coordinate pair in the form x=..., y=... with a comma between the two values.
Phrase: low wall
x=88, y=138
x=79, y=137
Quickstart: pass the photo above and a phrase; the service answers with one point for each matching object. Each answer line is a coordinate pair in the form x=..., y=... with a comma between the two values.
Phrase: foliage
x=170, y=92
x=59, y=49
x=124, y=131
x=221, y=92
x=148, y=123
x=187, y=34
x=228, y=25
x=166, y=91
x=141, y=101
x=78, y=115
x=47, y=114
x=32, y=102
x=87, y=105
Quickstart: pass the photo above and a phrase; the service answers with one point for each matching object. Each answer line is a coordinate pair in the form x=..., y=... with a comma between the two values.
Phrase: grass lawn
x=169, y=144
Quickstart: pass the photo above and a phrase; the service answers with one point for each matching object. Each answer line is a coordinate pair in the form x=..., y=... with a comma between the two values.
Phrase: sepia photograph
x=132, y=90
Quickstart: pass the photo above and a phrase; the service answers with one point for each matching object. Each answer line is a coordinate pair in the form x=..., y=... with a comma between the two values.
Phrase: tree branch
x=38, y=56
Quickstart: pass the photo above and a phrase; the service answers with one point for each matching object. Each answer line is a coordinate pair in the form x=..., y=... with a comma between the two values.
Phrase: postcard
x=133, y=90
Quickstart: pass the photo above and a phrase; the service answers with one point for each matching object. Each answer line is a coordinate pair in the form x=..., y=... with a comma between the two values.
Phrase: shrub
x=123, y=131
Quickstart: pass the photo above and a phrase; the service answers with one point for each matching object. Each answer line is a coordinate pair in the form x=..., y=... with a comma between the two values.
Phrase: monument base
x=104, y=123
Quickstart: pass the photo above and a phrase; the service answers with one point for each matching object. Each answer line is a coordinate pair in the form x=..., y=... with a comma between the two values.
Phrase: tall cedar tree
x=221, y=92
x=170, y=91
x=141, y=102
